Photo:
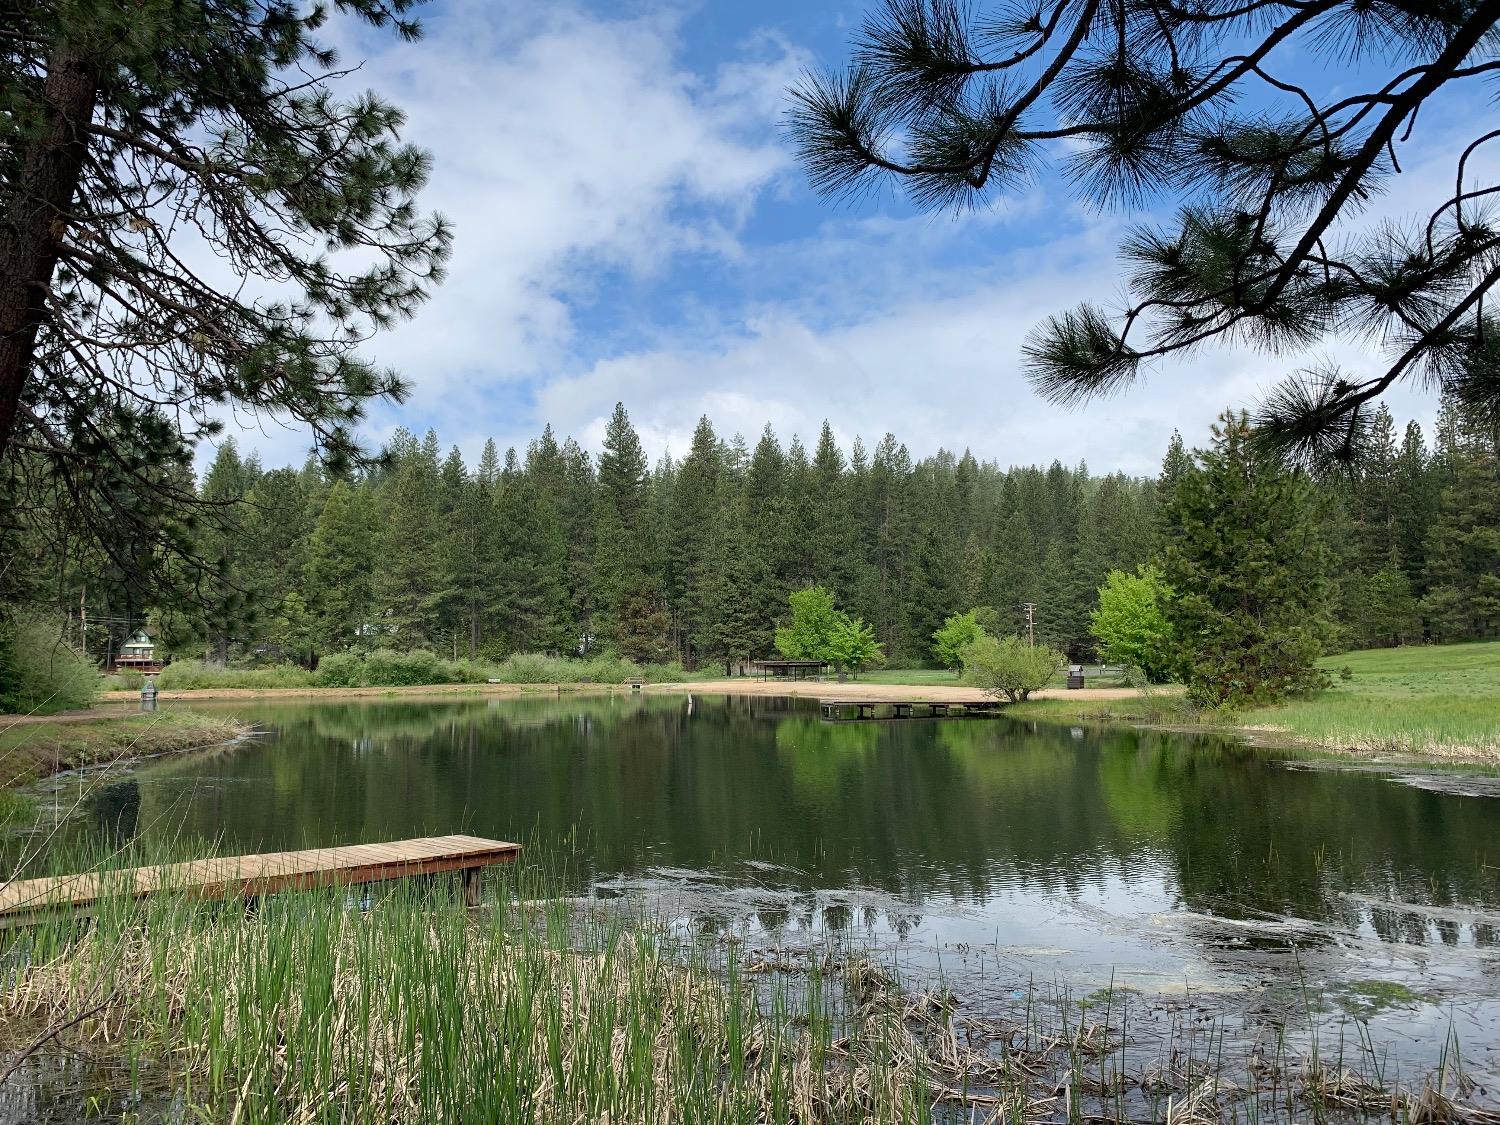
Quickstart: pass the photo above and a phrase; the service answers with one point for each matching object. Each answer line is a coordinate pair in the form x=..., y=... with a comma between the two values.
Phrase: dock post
x=473, y=886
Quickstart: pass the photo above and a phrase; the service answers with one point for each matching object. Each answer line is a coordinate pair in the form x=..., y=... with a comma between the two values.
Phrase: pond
x=1204, y=873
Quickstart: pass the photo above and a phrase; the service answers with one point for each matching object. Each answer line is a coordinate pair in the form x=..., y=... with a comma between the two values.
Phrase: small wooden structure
x=1075, y=676
x=864, y=709
x=138, y=654
x=789, y=669
x=251, y=876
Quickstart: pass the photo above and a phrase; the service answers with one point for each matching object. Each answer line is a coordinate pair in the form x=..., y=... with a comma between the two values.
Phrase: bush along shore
x=388, y=668
x=536, y=1008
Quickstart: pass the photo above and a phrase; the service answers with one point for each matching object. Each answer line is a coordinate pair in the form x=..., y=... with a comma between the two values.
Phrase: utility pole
x=1030, y=608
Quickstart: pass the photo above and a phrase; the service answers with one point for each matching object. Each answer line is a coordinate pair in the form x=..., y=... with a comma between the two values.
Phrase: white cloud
x=564, y=145
x=582, y=160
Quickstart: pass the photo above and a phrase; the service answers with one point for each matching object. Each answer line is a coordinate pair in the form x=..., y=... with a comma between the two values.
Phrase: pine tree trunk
x=37, y=217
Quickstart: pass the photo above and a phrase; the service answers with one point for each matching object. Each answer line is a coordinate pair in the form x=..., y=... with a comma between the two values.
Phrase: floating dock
x=864, y=710
x=251, y=876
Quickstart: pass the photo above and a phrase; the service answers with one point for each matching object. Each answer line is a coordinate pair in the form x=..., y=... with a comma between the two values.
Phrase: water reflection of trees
x=957, y=807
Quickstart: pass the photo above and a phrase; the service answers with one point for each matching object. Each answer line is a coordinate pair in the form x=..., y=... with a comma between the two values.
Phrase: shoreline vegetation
x=1438, y=703
x=534, y=1006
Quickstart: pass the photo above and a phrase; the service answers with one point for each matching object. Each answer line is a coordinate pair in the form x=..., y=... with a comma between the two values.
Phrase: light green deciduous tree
x=1132, y=625
x=1008, y=666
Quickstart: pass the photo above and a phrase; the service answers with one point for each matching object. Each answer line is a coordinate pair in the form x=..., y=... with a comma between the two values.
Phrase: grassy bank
x=1441, y=700
x=29, y=751
x=531, y=1009
x=1432, y=700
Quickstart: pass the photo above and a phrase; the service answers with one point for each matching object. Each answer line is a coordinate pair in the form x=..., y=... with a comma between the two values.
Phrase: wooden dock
x=251, y=876
x=864, y=709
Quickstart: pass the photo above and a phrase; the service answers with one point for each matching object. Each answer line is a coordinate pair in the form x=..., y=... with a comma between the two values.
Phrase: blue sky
x=631, y=226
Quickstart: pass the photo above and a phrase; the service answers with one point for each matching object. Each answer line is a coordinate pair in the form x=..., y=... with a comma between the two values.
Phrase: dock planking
x=252, y=876
x=864, y=709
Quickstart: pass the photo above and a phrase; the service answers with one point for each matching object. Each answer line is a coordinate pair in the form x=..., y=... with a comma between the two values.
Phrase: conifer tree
x=701, y=484
x=529, y=594
x=732, y=583
x=832, y=545
x=412, y=580
x=227, y=602
x=1415, y=506
x=140, y=139
x=1463, y=548
x=341, y=569
x=1249, y=570
x=1388, y=611
x=626, y=588
x=930, y=598
x=799, y=515
x=764, y=512
x=573, y=497
x=470, y=566
x=277, y=524
x=975, y=568
x=1015, y=579
x=890, y=478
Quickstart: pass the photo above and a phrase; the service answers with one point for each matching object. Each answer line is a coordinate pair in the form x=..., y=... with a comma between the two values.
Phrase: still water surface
x=991, y=851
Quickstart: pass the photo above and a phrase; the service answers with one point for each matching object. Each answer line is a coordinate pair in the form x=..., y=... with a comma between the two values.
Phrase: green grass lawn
x=32, y=750
x=1422, y=698
x=942, y=677
x=1441, y=700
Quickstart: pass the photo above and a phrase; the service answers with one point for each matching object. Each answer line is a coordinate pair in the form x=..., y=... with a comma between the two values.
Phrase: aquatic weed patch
x=1365, y=997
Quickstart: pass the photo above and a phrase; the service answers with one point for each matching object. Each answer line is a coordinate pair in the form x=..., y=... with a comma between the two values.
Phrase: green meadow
x=1437, y=700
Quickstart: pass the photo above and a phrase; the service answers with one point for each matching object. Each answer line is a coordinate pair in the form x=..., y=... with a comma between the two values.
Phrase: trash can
x=1075, y=676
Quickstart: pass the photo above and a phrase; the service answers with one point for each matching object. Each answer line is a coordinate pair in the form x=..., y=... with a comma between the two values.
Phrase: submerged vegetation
x=534, y=1008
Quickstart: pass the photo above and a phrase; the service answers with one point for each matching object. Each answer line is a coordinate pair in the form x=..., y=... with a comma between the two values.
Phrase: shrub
x=125, y=680
x=40, y=672
x=1009, y=666
x=671, y=672
x=340, y=669
x=388, y=668
x=607, y=668
x=528, y=668
x=195, y=675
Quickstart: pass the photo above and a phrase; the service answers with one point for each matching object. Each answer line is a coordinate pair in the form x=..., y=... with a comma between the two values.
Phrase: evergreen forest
x=692, y=559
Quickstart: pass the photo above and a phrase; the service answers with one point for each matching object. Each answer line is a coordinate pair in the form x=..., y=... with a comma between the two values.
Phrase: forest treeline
x=553, y=550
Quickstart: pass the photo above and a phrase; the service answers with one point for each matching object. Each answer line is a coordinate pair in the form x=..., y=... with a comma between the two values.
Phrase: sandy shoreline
x=903, y=693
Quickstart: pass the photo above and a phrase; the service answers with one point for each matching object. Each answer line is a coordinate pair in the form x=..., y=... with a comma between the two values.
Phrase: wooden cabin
x=137, y=654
